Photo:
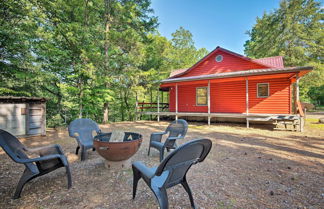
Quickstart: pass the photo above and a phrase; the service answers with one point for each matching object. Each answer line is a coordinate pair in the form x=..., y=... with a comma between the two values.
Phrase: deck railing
x=152, y=107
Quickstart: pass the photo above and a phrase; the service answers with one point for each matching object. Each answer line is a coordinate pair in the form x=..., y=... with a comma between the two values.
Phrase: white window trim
x=201, y=87
x=258, y=90
x=221, y=56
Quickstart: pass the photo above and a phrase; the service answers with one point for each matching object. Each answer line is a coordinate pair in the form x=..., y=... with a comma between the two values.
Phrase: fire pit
x=123, y=149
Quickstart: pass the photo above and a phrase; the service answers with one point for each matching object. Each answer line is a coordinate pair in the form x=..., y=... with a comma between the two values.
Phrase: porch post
x=247, y=101
x=176, y=95
x=208, y=101
x=158, y=106
x=301, y=119
x=297, y=88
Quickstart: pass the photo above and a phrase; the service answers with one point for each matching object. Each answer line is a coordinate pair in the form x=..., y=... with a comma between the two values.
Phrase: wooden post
x=297, y=88
x=208, y=101
x=301, y=119
x=158, y=106
x=176, y=107
x=247, y=101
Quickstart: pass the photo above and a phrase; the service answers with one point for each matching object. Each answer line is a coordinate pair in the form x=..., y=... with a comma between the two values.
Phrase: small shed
x=23, y=115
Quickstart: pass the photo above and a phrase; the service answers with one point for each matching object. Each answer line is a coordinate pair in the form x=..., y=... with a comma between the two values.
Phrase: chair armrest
x=46, y=150
x=160, y=133
x=145, y=171
x=43, y=158
x=174, y=137
x=157, y=136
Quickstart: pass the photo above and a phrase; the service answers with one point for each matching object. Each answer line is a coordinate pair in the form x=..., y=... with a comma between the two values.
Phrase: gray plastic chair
x=50, y=158
x=177, y=130
x=172, y=170
x=82, y=130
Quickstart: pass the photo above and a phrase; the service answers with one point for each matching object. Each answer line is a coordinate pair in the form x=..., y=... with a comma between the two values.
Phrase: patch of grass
x=313, y=123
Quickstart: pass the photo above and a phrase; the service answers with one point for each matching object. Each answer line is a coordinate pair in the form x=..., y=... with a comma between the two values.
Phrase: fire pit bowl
x=117, y=151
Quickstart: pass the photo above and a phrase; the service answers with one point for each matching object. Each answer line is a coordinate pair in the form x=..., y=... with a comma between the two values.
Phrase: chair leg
x=83, y=154
x=185, y=185
x=77, y=150
x=149, y=149
x=68, y=175
x=136, y=178
x=161, y=154
x=162, y=197
x=27, y=176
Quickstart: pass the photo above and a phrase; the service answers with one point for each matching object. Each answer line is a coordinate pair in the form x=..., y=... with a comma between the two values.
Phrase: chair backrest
x=84, y=128
x=12, y=146
x=180, y=160
x=178, y=128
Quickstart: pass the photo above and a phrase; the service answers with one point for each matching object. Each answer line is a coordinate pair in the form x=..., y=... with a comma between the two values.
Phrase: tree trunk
x=107, y=26
x=80, y=98
x=151, y=100
x=105, y=112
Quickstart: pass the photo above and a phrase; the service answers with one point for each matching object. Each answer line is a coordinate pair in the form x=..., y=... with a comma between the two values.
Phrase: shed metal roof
x=13, y=99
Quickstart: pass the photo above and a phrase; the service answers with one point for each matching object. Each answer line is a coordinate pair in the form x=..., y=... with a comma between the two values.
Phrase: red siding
x=230, y=63
x=186, y=99
x=228, y=97
x=172, y=99
x=277, y=103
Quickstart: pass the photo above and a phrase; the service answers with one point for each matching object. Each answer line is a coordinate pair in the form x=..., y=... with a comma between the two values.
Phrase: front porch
x=294, y=120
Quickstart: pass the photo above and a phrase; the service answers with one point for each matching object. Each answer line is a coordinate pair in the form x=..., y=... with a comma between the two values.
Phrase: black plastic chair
x=82, y=130
x=172, y=170
x=177, y=130
x=50, y=158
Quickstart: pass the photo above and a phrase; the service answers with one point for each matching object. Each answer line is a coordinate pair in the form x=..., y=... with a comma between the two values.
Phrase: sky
x=212, y=22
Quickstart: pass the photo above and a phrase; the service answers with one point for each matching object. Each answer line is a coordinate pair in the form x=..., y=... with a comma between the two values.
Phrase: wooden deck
x=213, y=114
x=249, y=117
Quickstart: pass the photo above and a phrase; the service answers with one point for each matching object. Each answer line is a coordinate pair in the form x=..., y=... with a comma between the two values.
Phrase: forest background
x=93, y=58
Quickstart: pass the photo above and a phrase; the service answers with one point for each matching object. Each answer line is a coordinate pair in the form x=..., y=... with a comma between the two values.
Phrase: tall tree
x=295, y=31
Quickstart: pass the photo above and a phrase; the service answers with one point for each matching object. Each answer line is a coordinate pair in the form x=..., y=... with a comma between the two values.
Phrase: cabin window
x=263, y=90
x=201, y=96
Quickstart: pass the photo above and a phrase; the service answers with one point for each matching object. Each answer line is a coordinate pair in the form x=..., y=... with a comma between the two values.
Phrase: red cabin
x=227, y=84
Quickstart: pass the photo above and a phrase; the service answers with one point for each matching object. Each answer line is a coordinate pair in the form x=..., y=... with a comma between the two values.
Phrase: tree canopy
x=90, y=58
x=294, y=31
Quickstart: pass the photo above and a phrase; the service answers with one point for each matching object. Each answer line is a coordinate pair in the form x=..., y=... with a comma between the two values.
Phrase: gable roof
x=217, y=49
x=178, y=71
x=276, y=62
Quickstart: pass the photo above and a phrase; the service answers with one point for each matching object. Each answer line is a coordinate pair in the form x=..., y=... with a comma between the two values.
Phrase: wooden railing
x=152, y=106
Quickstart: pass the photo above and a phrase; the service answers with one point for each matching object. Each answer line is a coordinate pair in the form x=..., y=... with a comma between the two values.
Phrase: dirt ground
x=246, y=168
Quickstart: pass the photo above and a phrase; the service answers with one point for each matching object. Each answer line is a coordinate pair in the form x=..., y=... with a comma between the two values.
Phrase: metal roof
x=276, y=62
x=239, y=74
x=12, y=99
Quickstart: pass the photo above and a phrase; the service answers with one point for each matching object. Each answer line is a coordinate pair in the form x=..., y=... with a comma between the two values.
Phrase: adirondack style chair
x=177, y=130
x=172, y=170
x=82, y=130
x=50, y=158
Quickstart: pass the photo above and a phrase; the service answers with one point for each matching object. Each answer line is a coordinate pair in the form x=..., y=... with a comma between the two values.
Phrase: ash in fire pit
x=117, y=145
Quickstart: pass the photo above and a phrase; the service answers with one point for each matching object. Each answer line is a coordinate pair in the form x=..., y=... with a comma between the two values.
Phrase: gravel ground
x=246, y=168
